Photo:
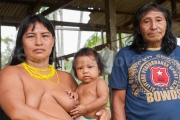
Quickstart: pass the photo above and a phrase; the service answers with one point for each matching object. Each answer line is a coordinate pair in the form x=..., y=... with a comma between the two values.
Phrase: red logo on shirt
x=159, y=76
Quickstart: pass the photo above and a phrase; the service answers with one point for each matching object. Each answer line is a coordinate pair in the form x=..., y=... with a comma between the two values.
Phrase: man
x=145, y=75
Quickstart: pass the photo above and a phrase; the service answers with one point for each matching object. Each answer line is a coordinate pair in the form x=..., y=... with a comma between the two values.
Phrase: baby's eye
x=90, y=66
x=79, y=68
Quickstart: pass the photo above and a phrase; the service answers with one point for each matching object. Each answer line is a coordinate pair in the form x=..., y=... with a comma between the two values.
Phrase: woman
x=34, y=90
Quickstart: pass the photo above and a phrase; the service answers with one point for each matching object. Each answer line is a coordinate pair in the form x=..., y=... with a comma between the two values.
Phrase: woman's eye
x=30, y=36
x=90, y=66
x=79, y=68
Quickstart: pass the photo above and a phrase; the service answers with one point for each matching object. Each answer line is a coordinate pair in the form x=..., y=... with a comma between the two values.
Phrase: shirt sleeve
x=119, y=74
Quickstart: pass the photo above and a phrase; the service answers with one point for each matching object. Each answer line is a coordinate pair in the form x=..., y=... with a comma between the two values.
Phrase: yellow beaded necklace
x=35, y=73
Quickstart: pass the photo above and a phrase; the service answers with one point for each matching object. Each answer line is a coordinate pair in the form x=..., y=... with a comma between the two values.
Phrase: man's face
x=152, y=28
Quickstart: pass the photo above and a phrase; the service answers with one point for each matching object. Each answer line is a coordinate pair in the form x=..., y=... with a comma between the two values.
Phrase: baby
x=93, y=90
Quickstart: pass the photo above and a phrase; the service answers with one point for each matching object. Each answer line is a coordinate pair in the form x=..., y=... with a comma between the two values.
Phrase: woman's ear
x=54, y=38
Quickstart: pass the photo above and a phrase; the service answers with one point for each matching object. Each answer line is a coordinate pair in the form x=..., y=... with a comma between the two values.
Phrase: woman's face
x=153, y=27
x=38, y=44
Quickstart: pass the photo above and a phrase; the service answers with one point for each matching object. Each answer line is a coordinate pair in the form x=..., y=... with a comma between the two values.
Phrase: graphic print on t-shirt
x=155, y=78
x=159, y=76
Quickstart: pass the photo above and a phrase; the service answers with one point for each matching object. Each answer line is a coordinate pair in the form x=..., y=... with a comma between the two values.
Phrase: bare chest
x=43, y=95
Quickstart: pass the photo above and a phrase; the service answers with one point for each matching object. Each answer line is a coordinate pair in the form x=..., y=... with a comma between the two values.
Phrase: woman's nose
x=38, y=40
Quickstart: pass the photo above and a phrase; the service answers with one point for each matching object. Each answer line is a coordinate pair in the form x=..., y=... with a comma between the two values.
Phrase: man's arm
x=118, y=104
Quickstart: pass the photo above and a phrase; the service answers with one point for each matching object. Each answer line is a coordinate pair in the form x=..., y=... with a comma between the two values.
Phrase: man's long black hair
x=169, y=41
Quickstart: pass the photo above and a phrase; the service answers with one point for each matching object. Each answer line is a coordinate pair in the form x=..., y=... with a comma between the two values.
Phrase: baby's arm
x=100, y=102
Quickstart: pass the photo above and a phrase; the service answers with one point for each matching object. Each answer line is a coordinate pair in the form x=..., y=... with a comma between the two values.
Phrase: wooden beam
x=94, y=10
x=128, y=23
x=65, y=57
x=110, y=21
x=10, y=19
x=173, y=7
x=160, y=1
x=15, y=21
x=33, y=8
x=0, y=47
x=56, y=6
x=176, y=17
x=82, y=25
x=17, y=2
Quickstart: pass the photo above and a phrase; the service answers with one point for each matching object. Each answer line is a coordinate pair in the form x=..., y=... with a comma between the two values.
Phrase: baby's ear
x=99, y=71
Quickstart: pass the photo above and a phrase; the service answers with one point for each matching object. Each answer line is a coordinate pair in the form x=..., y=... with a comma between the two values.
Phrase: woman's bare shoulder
x=64, y=74
x=10, y=69
x=67, y=78
x=9, y=72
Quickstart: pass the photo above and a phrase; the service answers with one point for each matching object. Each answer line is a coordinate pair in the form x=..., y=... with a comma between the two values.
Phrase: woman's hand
x=104, y=114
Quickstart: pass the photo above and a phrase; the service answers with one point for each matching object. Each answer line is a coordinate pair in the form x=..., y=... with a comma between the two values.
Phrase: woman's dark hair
x=169, y=41
x=89, y=52
x=18, y=55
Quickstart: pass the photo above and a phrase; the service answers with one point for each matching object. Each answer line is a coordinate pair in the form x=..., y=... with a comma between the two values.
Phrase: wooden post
x=102, y=37
x=0, y=47
x=120, y=40
x=110, y=21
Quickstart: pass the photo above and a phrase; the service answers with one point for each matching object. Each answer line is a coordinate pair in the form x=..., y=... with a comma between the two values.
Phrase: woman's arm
x=104, y=114
x=118, y=104
x=12, y=97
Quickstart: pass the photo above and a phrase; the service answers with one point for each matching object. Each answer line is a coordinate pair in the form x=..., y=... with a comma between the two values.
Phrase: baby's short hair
x=89, y=52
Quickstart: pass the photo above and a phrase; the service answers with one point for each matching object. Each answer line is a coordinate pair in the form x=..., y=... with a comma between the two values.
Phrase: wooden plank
x=33, y=7
x=95, y=10
x=65, y=57
x=56, y=6
x=110, y=21
x=14, y=21
x=173, y=7
x=160, y=1
x=0, y=47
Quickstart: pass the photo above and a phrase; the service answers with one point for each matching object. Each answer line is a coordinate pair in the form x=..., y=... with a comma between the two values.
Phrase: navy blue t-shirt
x=151, y=81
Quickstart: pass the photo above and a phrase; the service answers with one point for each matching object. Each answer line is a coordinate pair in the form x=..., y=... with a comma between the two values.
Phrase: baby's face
x=87, y=69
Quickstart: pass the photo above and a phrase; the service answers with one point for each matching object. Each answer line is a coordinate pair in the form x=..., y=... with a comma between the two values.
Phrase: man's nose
x=153, y=24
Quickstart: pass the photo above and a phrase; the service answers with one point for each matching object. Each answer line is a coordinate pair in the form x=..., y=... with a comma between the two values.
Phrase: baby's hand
x=78, y=111
x=72, y=94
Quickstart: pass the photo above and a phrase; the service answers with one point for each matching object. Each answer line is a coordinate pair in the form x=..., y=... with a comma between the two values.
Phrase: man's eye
x=147, y=21
x=159, y=20
x=45, y=36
